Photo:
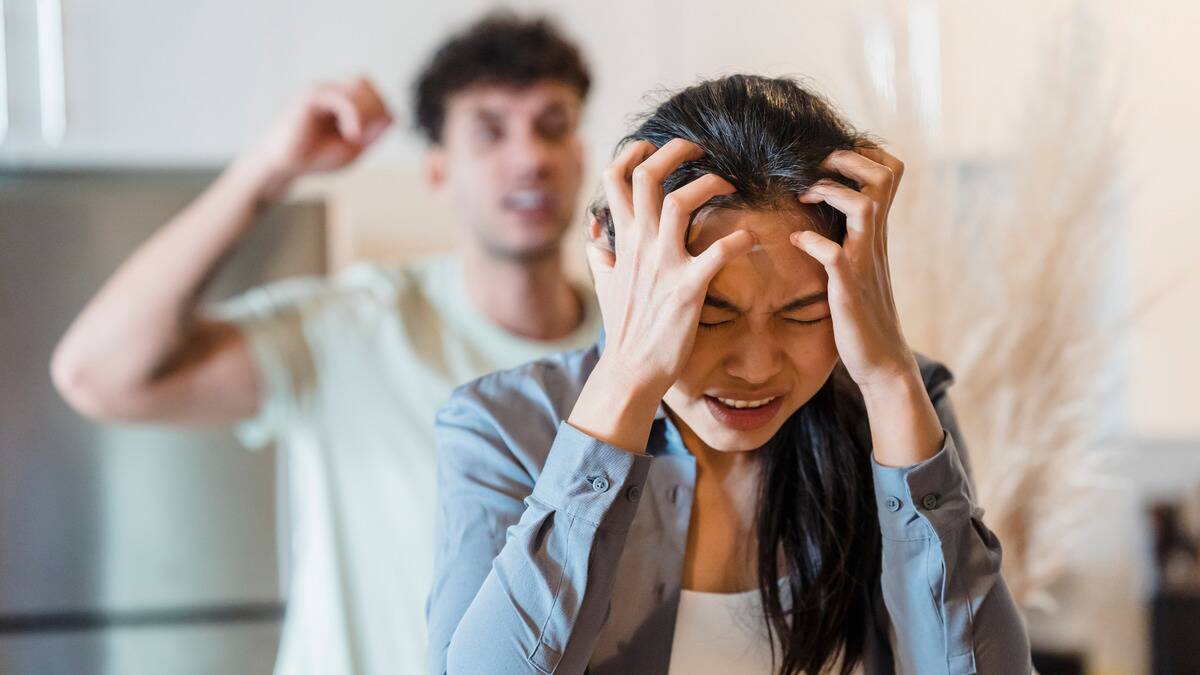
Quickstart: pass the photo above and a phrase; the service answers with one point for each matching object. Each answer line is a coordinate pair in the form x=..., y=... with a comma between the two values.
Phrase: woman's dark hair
x=765, y=135
x=501, y=48
x=818, y=535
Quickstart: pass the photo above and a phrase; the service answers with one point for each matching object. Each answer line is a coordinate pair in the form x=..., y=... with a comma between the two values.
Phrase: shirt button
x=930, y=501
x=633, y=493
x=892, y=504
x=600, y=484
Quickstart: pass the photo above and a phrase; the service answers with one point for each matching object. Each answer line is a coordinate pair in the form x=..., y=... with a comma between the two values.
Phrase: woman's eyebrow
x=718, y=302
x=804, y=301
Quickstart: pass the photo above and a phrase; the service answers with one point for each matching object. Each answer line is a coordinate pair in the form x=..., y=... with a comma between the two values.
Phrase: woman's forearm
x=949, y=606
x=543, y=599
x=616, y=406
x=904, y=425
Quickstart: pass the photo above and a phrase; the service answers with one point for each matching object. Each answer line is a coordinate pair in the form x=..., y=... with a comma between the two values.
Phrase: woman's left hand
x=865, y=322
x=905, y=428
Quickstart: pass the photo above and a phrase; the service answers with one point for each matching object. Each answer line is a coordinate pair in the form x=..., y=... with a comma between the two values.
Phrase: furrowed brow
x=718, y=302
x=801, y=303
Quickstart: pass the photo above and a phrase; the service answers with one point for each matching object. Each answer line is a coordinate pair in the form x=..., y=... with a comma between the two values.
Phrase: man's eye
x=553, y=128
x=715, y=324
x=487, y=134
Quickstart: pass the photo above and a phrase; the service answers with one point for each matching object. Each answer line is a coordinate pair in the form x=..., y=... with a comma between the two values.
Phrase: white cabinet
x=169, y=82
x=142, y=81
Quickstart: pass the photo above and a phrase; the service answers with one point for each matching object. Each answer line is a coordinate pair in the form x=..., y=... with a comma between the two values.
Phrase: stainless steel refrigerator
x=126, y=550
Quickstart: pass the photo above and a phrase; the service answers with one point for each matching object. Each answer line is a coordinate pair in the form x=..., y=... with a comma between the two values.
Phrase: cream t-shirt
x=352, y=371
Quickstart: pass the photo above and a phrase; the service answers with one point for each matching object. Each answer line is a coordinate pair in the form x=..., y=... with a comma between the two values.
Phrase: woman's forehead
x=770, y=227
x=775, y=271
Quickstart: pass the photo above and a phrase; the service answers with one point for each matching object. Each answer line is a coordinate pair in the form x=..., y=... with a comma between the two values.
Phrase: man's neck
x=533, y=299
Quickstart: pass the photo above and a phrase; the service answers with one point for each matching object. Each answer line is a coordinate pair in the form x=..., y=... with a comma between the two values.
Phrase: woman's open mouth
x=741, y=414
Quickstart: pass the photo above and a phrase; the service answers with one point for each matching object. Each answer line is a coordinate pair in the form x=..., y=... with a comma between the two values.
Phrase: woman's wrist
x=616, y=406
x=905, y=428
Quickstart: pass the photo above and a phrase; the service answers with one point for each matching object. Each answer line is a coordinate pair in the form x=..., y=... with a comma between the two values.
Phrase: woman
x=755, y=473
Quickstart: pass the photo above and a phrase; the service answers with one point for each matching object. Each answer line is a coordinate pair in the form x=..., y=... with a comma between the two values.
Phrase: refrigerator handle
x=51, y=71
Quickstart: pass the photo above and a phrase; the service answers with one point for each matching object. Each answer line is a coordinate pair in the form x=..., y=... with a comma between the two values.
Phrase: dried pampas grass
x=1004, y=269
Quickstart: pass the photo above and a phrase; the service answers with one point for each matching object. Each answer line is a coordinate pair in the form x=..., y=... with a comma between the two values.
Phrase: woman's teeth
x=734, y=403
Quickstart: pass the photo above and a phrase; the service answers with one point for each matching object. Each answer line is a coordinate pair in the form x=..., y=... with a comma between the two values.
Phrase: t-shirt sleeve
x=274, y=320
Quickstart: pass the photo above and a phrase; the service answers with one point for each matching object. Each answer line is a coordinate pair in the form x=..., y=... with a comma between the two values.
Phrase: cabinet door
x=143, y=81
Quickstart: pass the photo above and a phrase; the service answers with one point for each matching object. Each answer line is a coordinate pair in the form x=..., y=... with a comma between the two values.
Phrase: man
x=347, y=374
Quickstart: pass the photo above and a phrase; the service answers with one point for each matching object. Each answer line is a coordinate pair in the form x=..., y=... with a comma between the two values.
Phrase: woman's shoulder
x=519, y=409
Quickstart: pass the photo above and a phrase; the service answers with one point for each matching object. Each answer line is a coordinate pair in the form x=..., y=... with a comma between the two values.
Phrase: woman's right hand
x=650, y=291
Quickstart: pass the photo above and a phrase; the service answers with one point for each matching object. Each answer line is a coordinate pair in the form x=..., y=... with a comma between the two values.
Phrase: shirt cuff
x=924, y=499
x=592, y=480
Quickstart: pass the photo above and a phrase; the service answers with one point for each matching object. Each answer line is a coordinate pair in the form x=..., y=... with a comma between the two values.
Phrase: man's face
x=765, y=343
x=512, y=161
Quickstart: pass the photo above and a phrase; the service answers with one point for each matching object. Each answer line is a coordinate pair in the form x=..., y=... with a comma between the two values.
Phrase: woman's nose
x=755, y=357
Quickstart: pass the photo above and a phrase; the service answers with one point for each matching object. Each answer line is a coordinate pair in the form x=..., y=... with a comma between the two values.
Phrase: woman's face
x=765, y=341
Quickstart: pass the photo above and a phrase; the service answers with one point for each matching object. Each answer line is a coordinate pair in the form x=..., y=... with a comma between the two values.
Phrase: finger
x=878, y=154
x=859, y=209
x=876, y=179
x=616, y=179
x=716, y=256
x=679, y=205
x=648, y=176
x=371, y=106
x=885, y=158
x=831, y=256
x=348, y=120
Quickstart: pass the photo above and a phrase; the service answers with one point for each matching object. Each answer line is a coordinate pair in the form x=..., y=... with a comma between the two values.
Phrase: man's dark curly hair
x=501, y=48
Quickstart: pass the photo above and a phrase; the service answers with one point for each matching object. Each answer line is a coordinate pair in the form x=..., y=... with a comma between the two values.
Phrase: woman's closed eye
x=718, y=321
x=806, y=321
x=715, y=322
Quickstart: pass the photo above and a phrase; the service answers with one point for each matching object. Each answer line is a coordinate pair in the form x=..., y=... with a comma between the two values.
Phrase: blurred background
x=1046, y=248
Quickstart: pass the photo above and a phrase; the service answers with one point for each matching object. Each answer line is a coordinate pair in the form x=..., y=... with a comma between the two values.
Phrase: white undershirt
x=721, y=634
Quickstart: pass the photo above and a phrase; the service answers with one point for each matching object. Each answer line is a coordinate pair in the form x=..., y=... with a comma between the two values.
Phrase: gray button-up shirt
x=558, y=553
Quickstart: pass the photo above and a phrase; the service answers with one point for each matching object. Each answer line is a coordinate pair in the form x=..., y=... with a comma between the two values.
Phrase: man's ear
x=434, y=167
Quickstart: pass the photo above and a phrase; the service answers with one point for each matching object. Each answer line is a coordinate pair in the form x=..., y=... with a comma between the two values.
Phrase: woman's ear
x=601, y=260
x=595, y=230
x=600, y=255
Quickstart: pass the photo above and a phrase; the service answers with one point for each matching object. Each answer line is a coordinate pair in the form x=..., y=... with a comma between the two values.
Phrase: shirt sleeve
x=949, y=608
x=524, y=568
x=272, y=320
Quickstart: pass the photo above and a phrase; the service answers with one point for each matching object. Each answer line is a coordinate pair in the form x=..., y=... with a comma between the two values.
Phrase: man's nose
x=530, y=155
